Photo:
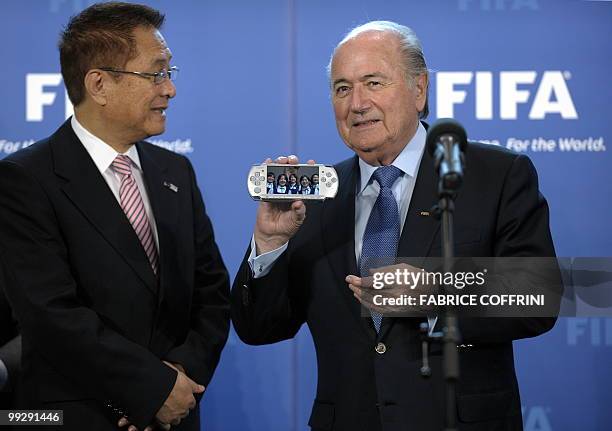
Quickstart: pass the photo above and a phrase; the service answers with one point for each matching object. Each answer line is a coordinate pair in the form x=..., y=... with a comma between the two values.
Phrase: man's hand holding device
x=282, y=210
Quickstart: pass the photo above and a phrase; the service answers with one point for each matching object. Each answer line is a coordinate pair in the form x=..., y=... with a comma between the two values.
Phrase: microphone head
x=445, y=126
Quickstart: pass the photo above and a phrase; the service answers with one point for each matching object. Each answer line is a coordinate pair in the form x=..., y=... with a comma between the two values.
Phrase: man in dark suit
x=106, y=251
x=10, y=354
x=298, y=269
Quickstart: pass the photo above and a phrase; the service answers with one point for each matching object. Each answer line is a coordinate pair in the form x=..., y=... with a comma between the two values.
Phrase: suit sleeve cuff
x=262, y=264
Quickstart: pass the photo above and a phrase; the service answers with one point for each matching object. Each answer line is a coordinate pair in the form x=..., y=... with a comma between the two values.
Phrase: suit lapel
x=419, y=228
x=162, y=192
x=90, y=193
x=338, y=233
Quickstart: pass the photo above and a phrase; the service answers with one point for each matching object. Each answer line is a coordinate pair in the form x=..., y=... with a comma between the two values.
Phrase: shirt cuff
x=262, y=264
x=3, y=374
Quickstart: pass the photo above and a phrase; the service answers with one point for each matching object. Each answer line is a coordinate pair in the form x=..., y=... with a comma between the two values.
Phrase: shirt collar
x=101, y=153
x=407, y=161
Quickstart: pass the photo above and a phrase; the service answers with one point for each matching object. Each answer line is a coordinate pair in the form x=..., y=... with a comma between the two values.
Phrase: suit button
x=380, y=348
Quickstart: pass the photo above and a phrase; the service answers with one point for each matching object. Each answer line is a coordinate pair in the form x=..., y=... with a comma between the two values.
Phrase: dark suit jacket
x=10, y=352
x=499, y=212
x=96, y=321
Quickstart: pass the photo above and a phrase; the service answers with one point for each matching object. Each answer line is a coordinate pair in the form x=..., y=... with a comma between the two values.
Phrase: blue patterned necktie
x=382, y=232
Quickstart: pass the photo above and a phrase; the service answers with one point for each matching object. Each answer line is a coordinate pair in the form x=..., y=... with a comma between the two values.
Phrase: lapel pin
x=171, y=186
x=424, y=213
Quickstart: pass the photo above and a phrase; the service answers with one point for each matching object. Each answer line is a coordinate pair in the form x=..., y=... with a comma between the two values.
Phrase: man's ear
x=421, y=83
x=96, y=85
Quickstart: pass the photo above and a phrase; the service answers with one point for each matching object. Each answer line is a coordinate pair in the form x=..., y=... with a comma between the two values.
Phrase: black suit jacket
x=96, y=321
x=499, y=212
x=10, y=352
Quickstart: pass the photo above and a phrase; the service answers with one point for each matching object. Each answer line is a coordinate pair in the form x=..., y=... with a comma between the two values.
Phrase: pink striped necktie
x=134, y=208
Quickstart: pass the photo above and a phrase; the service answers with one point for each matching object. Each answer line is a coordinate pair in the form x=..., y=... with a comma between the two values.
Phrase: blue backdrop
x=530, y=75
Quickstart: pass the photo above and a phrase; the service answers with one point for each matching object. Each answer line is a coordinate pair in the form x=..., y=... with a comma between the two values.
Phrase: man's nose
x=168, y=89
x=360, y=101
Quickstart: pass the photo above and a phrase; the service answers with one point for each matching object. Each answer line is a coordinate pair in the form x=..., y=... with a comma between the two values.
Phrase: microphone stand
x=450, y=336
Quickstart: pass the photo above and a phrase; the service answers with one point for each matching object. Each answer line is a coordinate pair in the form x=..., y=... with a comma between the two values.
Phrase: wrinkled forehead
x=365, y=51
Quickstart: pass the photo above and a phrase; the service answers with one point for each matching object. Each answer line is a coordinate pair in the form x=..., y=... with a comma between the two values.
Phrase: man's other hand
x=181, y=399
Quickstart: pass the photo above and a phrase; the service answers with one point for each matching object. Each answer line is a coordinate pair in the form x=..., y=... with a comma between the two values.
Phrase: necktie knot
x=386, y=175
x=122, y=165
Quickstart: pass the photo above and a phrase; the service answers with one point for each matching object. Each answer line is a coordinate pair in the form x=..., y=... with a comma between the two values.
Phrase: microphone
x=446, y=143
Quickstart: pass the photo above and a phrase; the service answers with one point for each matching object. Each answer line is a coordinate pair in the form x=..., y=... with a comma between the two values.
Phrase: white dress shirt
x=103, y=156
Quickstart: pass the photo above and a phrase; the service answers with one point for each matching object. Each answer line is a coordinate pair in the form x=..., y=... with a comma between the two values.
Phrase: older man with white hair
x=308, y=270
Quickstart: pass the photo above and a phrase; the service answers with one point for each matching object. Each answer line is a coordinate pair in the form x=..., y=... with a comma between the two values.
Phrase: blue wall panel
x=253, y=85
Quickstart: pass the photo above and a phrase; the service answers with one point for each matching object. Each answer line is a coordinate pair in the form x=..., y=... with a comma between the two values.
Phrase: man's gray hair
x=410, y=46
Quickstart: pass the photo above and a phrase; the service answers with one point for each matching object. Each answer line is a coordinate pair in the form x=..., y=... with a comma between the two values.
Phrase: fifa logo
x=552, y=95
x=536, y=418
x=594, y=331
x=74, y=5
x=39, y=95
x=498, y=5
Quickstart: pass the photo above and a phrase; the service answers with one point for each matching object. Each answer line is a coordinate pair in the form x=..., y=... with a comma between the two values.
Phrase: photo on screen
x=295, y=180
